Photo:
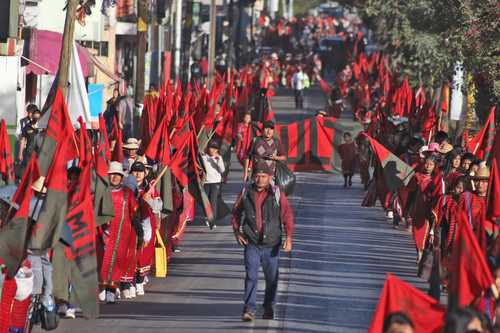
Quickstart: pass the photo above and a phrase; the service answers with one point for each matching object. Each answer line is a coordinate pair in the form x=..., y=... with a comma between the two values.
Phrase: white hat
x=132, y=143
x=116, y=167
x=38, y=185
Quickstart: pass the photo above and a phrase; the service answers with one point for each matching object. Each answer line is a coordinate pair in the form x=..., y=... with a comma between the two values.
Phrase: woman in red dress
x=427, y=184
x=115, y=253
x=150, y=206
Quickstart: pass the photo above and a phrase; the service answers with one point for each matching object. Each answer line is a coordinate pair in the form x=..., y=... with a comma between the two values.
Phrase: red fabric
x=427, y=314
x=325, y=87
x=245, y=136
x=59, y=126
x=445, y=98
x=472, y=210
x=116, y=238
x=102, y=152
x=421, y=209
x=116, y=135
x=470, y=275
x=145, y=254
x=148, y=118
x=45, y=50
x=347, y=152
x=482, y=144
x=6, y=162
x=159, y=146
x=493, y=207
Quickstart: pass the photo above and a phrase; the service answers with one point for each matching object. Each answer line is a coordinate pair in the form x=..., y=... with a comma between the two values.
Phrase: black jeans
x=213, y=193
x=299, y=99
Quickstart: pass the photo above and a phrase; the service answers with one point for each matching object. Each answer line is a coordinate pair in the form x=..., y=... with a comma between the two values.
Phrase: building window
x=100, y=47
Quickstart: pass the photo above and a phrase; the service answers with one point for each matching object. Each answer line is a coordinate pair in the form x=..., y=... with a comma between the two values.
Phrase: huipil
x=116, y=239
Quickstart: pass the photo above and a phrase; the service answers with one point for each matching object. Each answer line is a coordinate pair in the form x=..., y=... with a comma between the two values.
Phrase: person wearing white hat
x=118, y=239
x=131, y=147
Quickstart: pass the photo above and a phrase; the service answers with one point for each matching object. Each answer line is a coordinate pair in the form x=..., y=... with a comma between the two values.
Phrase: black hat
x=138, y=167
x=269, y=124
x=214, y=143
x=263, y=167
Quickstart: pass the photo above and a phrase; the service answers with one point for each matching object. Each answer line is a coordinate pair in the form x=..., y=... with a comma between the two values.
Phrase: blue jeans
x=268, y=257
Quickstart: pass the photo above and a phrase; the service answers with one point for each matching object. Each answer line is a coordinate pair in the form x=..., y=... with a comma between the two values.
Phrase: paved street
x=329, y=283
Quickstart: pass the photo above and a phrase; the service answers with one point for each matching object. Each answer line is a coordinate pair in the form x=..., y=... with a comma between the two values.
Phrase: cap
x=116, y=168
x=269, y=124
x=482, y=174
x=214, y=143
x=138, y=167
x=263, y=167
x=38, y=185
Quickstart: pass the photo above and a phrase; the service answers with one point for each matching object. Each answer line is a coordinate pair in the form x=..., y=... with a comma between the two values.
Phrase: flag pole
x=67, y=46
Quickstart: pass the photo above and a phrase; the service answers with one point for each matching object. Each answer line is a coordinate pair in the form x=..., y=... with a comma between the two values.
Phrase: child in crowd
x=347, y=152
x=214, y=167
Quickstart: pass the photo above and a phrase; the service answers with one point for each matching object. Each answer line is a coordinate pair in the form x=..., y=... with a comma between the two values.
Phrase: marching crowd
x=90, y=214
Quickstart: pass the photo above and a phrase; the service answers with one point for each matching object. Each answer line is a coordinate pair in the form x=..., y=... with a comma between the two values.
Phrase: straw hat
x=482, y=174
x=116, y=168
x=132, y=143
x=38, y=185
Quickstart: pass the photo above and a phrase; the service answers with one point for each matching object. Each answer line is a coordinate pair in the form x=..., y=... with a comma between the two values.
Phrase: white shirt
x=214, y=167
x=298, y=81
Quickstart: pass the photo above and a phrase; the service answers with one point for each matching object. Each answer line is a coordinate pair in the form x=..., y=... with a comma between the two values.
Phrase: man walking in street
x=265, y=149
x=298, y=83
x=258, y=214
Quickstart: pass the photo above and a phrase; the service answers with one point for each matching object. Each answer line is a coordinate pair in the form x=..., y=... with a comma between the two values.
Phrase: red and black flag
x=311, y=144
x=6, y=162
x=186, y=169
x=470, y=275
x=117, y=137
x=426, y=314
x=482, y=144
x=159, y=150
x=396, y=172
x=59, y=129
x=14, y=233
x=48, y=226
x=103, y=205
x=79, y=236
x=493, y=210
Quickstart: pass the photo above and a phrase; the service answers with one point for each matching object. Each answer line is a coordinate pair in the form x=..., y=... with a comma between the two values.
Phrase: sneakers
x=390, y=215
x=110, y=297
x=118, y=294
x=268, y=313
x=102, y=296
x=126, y=294
x=62, y=308
x=248, y=316
x=133, y=292
x=70, y=313
x=139, y=289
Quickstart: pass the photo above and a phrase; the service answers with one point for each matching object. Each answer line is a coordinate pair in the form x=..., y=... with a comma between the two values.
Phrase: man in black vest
x=258, y=216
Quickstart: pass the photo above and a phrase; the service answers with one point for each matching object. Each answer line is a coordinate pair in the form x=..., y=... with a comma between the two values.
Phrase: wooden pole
x=142, y=44
x=211, y=45
x=67, y=46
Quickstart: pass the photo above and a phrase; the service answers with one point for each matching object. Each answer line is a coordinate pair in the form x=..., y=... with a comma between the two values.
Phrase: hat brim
x=115, y=172
x=130, y=146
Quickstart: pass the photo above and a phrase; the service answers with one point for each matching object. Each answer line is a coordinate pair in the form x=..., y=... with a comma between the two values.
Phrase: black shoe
x=350, y=183
x=268, y=314
x=248, y=316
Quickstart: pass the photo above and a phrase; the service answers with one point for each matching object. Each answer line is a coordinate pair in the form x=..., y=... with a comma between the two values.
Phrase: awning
x=45, y=50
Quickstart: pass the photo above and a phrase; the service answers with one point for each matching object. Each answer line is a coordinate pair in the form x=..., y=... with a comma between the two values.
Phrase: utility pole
x=67, y=46
x=186, y=43
x=178, y=33
x=142, y=44
x=230, y=42
x=211, y=43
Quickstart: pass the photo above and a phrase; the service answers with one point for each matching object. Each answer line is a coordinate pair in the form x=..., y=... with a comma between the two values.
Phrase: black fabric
x=271, y=219
x=284, y=178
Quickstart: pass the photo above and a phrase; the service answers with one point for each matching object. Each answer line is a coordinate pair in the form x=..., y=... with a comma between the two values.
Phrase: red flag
x=13, y=234
x=159, y=146
x=102, y=152
x=445, y=98
x=482, y=143
x=493, y=208
x=396, y=172
x=469, y=271
x=116, y=135
x=325, y=87
x=6, y=162
x=84, y=144
x=426, y=313
x=179, y=163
